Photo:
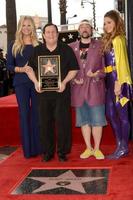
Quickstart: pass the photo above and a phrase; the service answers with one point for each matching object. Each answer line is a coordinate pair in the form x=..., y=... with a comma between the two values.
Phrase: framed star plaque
x=49, y=75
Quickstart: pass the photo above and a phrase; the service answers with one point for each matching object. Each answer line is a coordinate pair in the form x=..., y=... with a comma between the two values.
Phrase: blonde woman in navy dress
x=18, y=55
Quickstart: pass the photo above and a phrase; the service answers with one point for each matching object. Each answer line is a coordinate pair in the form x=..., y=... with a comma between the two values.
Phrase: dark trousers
x=55, y=117
x=27, y=103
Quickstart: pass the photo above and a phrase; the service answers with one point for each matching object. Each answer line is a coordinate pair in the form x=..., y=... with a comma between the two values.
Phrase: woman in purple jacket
x=88, y=90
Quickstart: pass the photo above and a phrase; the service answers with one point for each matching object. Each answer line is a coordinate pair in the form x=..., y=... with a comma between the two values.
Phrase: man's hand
x=62, y=87
x=78, y=81
x=92, y=74
x=31, y=74
x=37, y=87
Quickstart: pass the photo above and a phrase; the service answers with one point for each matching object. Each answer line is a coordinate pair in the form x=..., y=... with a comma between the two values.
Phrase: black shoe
x=47, y=157
x=62, y=157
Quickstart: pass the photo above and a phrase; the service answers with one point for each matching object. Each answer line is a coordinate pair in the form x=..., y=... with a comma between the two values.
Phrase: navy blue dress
x=27, y=102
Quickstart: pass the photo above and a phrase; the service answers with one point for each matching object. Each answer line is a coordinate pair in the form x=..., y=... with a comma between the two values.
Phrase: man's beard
x=86, y=36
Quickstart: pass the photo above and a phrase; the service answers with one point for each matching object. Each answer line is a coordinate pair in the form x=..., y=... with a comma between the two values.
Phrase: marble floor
x=64, y=181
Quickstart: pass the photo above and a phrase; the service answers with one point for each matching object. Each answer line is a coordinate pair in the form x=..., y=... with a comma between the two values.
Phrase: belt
x=109, y=69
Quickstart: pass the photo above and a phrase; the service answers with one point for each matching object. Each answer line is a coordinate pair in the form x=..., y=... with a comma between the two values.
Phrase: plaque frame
x=49, y=73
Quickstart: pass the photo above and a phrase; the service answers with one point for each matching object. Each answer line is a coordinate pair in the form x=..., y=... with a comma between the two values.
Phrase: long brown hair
x=118, y=30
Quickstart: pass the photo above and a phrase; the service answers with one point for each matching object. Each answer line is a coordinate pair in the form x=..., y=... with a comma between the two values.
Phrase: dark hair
x=49, y=24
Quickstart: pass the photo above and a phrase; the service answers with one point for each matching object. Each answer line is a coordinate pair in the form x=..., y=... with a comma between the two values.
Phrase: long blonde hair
x=18, y=45
x=118, y=30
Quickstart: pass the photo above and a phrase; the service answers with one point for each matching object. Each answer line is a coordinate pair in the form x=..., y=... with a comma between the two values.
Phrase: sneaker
x=86, y=154
x=98, y=154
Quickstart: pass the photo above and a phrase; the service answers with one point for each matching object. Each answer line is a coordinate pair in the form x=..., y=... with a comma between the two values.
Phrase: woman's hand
x=92, y=74
x=24, y=69
x=27, y=69
x=117, y=88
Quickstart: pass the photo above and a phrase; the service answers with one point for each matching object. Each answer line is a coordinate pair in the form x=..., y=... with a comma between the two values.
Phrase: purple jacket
x=93, y=89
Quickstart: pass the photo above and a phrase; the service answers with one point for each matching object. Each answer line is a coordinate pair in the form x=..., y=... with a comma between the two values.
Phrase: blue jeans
x=91, y=115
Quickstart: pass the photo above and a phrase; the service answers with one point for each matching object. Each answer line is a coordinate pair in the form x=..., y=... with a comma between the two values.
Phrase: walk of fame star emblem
x=49, y=67
x=62, y=181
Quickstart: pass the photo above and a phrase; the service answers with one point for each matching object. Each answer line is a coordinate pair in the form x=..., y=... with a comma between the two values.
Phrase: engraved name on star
x=66, y=180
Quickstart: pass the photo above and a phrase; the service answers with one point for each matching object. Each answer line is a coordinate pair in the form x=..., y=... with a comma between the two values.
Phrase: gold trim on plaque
x=49, y=74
